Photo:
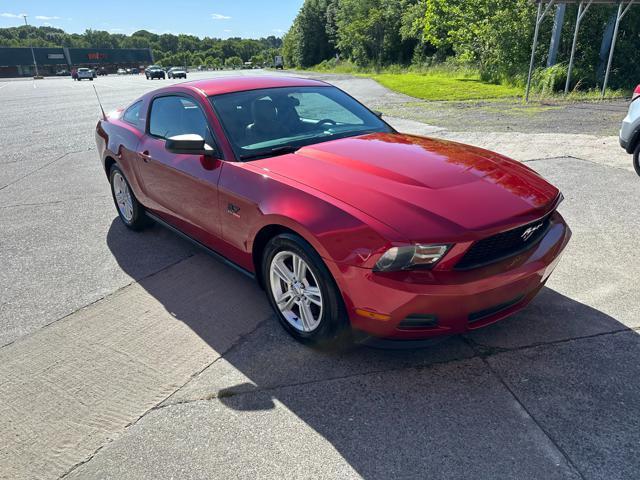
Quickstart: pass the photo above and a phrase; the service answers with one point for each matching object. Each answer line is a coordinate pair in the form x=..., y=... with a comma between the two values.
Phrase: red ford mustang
x=347, y=224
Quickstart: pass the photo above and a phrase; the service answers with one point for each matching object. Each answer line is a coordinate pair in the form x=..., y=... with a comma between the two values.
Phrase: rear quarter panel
x=117, y=141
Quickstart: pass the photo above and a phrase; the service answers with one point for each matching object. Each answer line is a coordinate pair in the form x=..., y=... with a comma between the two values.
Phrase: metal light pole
x=619, y=16
x=539, y=17
x=582, y=10
x=32, y=52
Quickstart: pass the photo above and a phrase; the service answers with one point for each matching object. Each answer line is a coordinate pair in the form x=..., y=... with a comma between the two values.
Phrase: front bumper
x=459, y=301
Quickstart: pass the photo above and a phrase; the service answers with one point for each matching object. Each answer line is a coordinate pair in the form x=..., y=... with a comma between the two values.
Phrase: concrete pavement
x=160, y=362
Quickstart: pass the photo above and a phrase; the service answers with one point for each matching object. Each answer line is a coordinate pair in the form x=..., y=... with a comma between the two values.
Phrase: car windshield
x=271, y=121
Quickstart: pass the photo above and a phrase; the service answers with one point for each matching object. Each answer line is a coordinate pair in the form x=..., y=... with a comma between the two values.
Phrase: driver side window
x=177, y=115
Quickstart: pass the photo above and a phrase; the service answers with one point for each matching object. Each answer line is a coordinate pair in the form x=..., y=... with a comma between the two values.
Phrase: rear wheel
x=303, y=293
x=636, y=158
x=131, y=212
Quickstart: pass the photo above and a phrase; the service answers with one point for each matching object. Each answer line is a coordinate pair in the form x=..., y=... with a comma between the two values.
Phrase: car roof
x=220, y=85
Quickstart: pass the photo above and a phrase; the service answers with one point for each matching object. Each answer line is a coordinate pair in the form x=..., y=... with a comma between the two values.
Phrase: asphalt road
x=136, y=356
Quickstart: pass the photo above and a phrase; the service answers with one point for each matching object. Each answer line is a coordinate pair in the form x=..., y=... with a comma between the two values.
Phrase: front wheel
x=636, y=158
x=303, y=293
x=131, y=212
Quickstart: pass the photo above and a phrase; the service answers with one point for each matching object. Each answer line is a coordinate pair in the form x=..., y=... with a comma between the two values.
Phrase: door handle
x=145, y=155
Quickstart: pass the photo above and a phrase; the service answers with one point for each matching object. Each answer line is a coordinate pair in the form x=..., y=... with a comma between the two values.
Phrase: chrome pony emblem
x=526, y=235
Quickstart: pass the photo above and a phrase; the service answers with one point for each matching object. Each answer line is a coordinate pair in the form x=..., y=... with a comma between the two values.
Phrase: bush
x=549, y=80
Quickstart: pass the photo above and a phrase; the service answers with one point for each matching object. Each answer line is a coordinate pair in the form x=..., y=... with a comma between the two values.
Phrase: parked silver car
x=630, y=130
x=177, y=72
x=85, y=74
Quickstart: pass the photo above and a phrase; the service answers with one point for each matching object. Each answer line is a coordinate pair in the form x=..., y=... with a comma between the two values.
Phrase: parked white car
x=630, y=130
x=85, y=73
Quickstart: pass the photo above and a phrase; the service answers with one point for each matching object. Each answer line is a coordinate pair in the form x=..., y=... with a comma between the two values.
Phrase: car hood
x=423, y=188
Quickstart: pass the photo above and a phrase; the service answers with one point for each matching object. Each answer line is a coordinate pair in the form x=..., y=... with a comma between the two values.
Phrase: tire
x=325, y=324
x=130, y=211
x=91, y=79
x=636, y=158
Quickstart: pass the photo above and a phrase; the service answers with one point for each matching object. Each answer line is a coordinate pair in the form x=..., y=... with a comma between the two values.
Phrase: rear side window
x=132, y=114
x=174, y=115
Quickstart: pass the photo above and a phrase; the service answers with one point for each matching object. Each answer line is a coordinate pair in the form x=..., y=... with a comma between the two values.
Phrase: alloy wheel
x=296, y=291
x=123, y=196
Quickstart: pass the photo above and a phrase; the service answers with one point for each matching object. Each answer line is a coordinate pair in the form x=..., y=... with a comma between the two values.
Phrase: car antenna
x=104, y=117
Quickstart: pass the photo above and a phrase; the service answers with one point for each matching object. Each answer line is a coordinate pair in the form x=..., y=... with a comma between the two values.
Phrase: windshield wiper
x=281, y=150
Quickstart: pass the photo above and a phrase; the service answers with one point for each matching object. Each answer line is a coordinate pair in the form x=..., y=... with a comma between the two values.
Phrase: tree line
x=493, y=36
x=168, y=49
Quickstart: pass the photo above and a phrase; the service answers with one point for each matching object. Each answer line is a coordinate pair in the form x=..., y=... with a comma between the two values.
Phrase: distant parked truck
x=279, y=62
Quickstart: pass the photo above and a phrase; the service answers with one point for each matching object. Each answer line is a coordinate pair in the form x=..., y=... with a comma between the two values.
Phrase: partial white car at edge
x=630, y=130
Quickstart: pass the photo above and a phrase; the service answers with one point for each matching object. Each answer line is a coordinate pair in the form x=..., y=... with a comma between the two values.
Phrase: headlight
x=402, y=258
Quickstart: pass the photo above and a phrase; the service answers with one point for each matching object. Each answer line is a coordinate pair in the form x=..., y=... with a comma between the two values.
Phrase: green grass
x=445, y=86
x=452, y=82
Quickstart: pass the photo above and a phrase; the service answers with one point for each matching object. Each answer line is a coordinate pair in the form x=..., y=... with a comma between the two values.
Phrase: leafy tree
x=307, y=42
x=213, y=62
x=366, y=31
x=493, y=34
x=233, y=62
x=369, y=31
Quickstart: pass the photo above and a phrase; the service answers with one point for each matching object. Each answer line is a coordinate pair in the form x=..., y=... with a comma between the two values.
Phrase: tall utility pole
x=32, y=52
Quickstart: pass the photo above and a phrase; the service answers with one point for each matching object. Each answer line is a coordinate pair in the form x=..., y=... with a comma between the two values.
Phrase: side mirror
x=189, y=143
x=377, y=113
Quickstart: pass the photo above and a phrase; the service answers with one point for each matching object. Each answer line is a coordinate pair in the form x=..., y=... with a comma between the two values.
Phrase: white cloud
x=227, y=30
x=115, y=30
x=44, y=17
x=277, y=30
x=219, y=16
x=12, y=15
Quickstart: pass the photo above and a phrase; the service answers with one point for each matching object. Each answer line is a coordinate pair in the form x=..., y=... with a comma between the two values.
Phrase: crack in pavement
x=479, y=353
x=53, y=202
x=573, y=157
x=239, y=341
x=97, y=300
x=533, y=418
x=40, y=168
x=488, y=350
x=478, y=349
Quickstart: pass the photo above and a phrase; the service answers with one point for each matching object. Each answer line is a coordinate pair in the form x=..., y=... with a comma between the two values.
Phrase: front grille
x=503, y=245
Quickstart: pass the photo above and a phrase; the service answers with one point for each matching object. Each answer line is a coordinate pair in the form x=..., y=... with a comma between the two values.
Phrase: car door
x=182, y=189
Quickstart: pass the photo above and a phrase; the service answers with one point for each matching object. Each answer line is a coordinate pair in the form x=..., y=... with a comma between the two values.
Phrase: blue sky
x=214, y=18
